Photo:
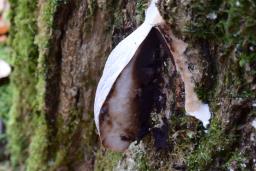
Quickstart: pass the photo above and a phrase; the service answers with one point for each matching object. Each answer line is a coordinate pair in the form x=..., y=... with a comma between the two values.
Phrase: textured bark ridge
x=65, y=48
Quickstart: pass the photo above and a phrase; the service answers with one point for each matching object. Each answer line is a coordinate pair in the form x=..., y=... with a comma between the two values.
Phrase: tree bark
x=60, y=49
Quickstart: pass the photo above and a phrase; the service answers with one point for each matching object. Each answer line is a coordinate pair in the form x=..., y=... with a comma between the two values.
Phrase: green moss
x=89, y=136
x=63, y=142
x=23, y=78
x=232, y=32
x=142, y=163
x=221, y=21
x=5, y=53
x=107, y=160
x=38, y=146
x=246, y=58
x=242, y=35
x=69, y=126
x=27, y=128
x=42, y=40
x=202, y=93
x=67, y=130
x=58, y=143
x=47, y=15
x=184, y=132
x=140, y=10
x=61, y=157
x=17, y=137
x=214, y=144
x=6, y=93
x=5, y=102
x=237, y=161
x=201, y=25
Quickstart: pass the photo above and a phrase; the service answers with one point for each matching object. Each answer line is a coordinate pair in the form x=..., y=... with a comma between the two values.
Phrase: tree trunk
x=60, y=48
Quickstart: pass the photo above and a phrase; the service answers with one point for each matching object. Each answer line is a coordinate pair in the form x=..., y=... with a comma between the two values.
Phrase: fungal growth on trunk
x=125, y=93
x=177, y=47
x=5, y=69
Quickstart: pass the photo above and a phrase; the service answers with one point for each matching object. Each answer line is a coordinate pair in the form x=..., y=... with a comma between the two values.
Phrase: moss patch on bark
x=24, y=79
x=229, y=27
x=27, y=127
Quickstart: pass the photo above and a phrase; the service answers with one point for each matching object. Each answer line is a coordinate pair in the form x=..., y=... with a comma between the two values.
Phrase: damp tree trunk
x=59, y=51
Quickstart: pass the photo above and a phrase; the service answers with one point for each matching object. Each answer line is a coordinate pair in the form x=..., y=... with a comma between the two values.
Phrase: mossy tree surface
x=59, y=50
x=24, y=79
x=51, y=125
x=224, y=34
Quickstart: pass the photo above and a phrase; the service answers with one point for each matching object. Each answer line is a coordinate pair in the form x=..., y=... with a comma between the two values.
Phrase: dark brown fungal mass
x=147, y=97
x=149, y=68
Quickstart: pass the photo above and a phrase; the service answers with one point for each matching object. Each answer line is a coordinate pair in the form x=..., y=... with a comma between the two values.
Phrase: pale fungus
x=118, y=106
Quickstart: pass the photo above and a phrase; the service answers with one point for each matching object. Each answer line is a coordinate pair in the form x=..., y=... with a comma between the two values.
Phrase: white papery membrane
x=122, y=55
x=124, y=52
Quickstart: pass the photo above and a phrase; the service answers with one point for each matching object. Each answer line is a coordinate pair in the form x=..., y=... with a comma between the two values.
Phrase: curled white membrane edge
x=121, y=56
x=5, y=69
x=193, y=105
x=202, y=113
x=123, y=53
x=254, y=123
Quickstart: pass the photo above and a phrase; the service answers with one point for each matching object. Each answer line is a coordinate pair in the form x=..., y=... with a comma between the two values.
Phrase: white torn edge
x=254, y=104
x=5, y=69
x=254, y=123
x=121, y=56
x=125, y=50
x=193, y=105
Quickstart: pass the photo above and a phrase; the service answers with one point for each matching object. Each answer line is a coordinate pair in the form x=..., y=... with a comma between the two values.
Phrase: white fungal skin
x=115, y=107
x=120, y=127
x=193, y=105
x=121, y=56
x=254, y=123
x=5, y=69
